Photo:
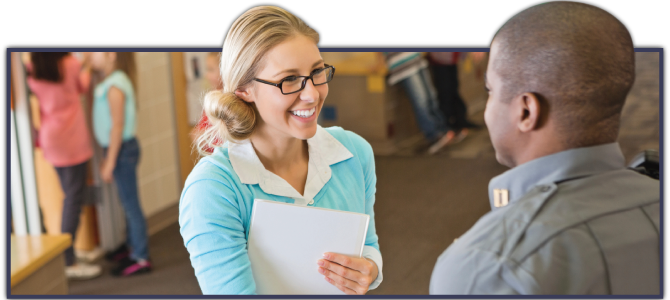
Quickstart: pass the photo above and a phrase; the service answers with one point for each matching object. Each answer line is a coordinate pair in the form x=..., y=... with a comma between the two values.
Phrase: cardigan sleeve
x=366, y=156
x=214, y=235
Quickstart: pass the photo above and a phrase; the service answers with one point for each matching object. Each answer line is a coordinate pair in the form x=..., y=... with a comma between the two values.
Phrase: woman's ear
x=245, y=94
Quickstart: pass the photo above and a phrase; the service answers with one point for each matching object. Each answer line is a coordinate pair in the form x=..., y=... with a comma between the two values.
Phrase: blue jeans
x=420, y=90
x=125, y=177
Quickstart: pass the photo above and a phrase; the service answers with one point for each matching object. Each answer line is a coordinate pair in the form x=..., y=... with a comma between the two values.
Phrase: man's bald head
x=576, y=57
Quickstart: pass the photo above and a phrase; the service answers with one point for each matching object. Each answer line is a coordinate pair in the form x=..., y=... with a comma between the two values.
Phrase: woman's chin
x=305, y=133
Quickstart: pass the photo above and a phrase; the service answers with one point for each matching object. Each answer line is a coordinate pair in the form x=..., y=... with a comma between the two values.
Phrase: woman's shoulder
x=214, y=167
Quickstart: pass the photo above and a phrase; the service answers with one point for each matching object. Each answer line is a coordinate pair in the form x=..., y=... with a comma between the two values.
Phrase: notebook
x=286, y=241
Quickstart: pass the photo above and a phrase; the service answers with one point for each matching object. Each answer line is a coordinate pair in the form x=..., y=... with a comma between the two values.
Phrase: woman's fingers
x=348, y=286
x=343, y=271
x=359, y=264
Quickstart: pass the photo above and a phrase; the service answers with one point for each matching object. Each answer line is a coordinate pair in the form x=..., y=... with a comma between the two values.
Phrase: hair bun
x=230, y=117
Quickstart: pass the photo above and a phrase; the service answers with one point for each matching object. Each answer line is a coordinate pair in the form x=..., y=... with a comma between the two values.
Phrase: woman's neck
x=277, y=152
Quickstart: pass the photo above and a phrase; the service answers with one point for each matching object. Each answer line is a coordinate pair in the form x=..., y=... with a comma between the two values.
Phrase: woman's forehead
x=295, y=53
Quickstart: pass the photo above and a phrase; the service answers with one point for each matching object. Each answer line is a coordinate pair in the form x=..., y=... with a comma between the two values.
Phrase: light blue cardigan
x=215, y=209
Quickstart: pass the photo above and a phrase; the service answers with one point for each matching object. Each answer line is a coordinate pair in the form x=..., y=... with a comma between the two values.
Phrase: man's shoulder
x=587, y=199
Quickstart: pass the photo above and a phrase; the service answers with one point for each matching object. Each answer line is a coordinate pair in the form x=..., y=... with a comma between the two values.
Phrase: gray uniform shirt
x=574, y=222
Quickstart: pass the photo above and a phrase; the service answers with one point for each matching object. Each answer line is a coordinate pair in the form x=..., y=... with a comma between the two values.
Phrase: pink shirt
x=63, y=136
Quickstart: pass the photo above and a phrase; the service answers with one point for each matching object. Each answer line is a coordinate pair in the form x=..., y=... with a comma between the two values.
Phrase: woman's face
x=292, y=115
x=213, y=75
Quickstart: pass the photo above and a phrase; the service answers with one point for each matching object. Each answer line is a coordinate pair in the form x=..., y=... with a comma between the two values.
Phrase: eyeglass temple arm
x=267, y=82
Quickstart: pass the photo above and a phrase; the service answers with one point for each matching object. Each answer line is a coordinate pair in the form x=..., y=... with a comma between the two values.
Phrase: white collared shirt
x=324, y=151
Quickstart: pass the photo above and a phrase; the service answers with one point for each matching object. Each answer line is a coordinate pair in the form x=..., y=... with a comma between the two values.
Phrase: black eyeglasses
x=293, y=84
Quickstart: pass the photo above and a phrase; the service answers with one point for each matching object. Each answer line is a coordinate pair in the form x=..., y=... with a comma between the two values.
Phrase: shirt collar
x=324, y=151
x=556, y=167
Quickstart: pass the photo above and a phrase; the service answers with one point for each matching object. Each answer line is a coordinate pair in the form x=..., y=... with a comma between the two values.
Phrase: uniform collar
x=516, y=182
x=324, y=151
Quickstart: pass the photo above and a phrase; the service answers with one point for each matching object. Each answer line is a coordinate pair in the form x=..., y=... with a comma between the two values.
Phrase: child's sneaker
x=461, y=135
x=119, y=254
x=89, y=256
x=446, y=139
x=82, y=271
x=129, y=267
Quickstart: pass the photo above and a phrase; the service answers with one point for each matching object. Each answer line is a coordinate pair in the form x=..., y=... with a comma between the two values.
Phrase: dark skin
x=558, y=76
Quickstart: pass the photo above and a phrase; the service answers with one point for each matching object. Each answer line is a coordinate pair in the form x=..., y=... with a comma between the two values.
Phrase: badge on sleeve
x=500, y=197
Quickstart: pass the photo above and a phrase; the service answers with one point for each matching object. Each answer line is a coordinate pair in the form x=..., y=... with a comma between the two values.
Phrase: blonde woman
x=274, y=86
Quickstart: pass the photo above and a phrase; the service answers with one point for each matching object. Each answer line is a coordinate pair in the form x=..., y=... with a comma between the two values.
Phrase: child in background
x=444, y=67
x=410, y=70
x=58, y=79
x=114, y=110
x=213, y=75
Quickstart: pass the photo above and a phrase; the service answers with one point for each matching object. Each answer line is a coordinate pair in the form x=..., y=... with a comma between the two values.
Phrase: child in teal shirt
x=114, y=110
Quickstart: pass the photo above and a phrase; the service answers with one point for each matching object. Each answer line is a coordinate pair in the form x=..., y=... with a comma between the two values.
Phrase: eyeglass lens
x=293, y=84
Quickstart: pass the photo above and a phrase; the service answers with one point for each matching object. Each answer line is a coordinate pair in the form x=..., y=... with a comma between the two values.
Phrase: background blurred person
x=410, y=70
x=444, y=67
x=58, y=79
x=114, y=111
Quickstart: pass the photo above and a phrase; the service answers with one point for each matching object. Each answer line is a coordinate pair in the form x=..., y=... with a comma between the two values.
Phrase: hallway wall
x=158, y=170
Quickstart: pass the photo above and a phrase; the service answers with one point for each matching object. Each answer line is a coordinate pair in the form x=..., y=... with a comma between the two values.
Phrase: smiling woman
x=274, y=85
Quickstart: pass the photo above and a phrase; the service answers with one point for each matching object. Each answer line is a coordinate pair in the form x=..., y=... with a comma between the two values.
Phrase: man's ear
x=245, y=94
x=531, y=111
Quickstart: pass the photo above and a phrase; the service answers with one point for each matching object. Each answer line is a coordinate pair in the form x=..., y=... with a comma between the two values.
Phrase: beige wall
x=158, y=171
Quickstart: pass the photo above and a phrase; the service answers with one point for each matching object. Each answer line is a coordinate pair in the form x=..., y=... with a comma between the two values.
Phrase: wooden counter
x=38, y=265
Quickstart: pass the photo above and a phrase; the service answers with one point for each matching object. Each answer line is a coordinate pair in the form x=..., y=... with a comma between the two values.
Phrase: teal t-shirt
x=102, y=117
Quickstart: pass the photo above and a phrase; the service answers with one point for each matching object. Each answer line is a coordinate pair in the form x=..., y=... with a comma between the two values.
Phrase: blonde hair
x=252, y=35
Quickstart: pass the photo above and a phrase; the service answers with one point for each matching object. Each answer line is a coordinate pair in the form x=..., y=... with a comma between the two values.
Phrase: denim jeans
x=451, y=104
x=125, y=177
x=73, y=182
x=420, y=90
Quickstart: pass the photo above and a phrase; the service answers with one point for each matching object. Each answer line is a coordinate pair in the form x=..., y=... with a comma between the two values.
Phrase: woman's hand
x=349, y=274
x=107, y=171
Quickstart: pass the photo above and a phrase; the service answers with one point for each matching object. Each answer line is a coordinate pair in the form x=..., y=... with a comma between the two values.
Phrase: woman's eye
x=290, y=79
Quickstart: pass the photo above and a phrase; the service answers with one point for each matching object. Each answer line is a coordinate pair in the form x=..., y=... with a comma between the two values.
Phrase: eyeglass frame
x=304, y=81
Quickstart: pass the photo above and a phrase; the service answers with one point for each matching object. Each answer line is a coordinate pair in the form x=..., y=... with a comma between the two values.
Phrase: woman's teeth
x=304, y=113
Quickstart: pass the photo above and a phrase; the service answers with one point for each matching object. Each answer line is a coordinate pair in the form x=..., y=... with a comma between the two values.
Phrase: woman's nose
x=309, y=93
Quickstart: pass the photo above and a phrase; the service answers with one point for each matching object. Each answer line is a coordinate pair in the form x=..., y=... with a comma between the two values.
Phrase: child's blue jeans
x=125, y=176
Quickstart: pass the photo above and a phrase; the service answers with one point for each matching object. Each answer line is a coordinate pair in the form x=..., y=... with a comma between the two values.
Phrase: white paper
x=287, y=240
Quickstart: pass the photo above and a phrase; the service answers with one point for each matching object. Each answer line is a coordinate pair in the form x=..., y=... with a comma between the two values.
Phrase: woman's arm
x=84, y=78
x=358, y=275
x=116, y=107
x=214, y=235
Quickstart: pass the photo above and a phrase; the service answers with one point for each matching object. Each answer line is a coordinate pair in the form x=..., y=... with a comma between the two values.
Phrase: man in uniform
x=568, y=217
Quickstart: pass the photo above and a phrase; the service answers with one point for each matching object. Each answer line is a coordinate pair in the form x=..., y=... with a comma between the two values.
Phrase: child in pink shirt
x=57, y=80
